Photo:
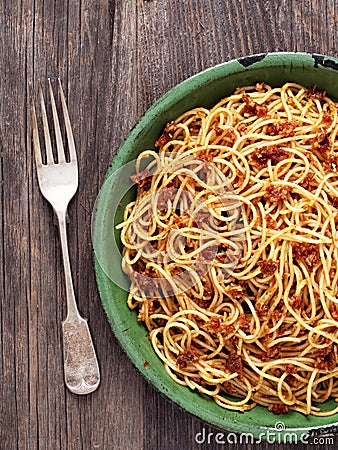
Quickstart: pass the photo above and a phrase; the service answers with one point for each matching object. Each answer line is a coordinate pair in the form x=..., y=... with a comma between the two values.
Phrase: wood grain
x=115, y=59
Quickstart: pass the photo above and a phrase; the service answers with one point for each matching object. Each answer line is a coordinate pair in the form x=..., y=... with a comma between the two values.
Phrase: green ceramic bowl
x=203, y=89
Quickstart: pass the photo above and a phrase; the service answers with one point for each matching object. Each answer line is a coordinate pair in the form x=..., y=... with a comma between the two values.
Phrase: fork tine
x=48, y=145
x=58, y=136
x=71, y=144
x=36, y=140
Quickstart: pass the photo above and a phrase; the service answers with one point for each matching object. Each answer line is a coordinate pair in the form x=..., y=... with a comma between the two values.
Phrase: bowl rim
x=190, y=84
x=236, y=65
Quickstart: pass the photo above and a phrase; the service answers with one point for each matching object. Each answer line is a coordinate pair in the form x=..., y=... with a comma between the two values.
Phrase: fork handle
x=81, y=368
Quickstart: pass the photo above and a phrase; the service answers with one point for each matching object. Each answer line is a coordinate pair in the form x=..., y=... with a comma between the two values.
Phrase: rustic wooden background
x=115, y=57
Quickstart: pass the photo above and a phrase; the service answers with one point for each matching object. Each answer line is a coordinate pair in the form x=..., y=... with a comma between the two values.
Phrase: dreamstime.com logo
x=213, y=211
x=279, y=434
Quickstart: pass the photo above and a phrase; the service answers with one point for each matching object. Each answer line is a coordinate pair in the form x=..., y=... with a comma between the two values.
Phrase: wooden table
x=115, y=57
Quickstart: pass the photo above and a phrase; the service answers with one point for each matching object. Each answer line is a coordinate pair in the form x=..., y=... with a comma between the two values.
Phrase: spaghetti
x=232, y=249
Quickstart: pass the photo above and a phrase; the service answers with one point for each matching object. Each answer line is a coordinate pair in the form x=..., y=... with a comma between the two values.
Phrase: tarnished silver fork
x=58, y=181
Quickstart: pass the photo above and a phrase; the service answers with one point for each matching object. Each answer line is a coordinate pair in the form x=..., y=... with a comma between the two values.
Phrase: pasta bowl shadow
x=204, y=89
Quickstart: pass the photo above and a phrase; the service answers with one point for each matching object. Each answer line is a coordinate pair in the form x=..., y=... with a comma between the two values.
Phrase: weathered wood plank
x=48, y=52
x=15, y=228
x=93, y=98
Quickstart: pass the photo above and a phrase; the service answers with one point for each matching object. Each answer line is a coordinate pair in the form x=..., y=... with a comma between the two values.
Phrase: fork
x=58, y=181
